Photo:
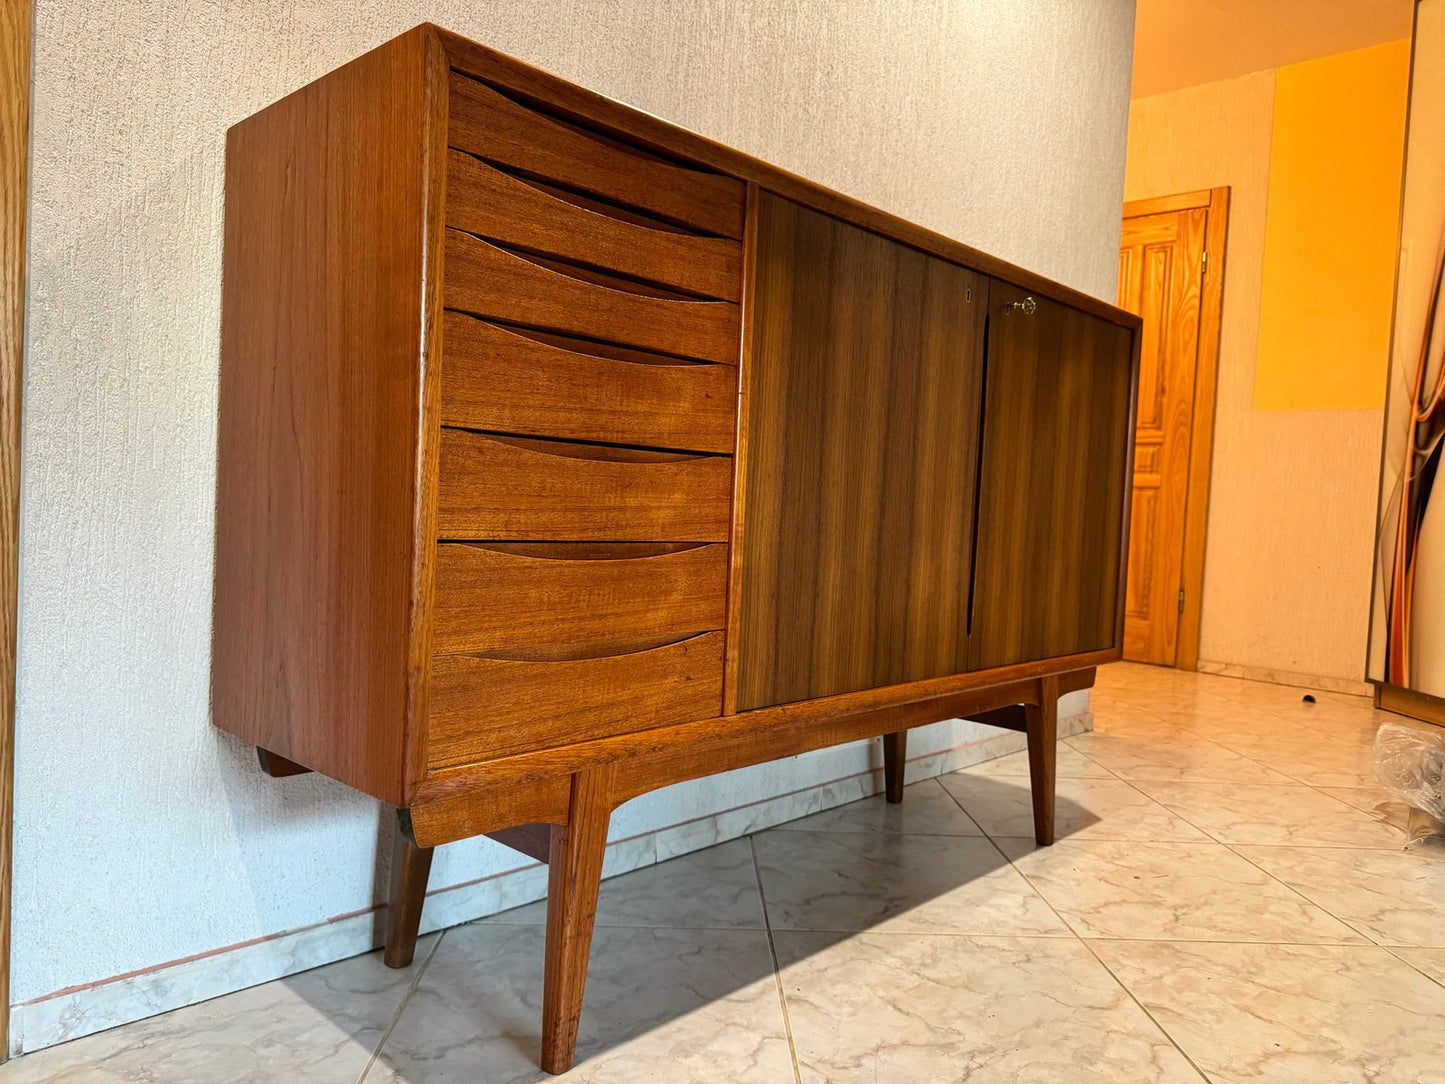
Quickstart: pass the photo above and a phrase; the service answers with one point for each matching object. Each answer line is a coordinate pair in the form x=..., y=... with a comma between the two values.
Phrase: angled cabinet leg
x=410, y=867
x=574, y=876
x=1041, y=724
x=895, y=757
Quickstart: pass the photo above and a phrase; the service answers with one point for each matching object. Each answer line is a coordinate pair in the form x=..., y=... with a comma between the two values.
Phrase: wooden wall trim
x=16, y=22
x=1160, y=205
x=1201, y=439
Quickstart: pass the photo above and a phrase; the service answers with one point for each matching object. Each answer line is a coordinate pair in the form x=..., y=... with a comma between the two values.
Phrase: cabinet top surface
x=444, y=49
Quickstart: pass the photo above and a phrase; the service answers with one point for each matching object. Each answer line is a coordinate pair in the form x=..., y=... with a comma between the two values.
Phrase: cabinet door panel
x=861, y=461
x=1058, y=418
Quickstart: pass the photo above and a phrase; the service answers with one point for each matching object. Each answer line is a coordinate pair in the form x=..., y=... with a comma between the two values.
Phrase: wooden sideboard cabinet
x=565, y=455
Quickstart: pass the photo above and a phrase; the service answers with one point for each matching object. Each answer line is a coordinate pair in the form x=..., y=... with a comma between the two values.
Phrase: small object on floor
x=1309, y=699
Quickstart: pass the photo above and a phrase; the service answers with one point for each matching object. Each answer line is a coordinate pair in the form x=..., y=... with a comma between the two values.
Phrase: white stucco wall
x=144, y=836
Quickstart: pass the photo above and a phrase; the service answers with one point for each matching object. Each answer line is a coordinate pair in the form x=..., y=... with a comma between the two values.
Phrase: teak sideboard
x=565, y=455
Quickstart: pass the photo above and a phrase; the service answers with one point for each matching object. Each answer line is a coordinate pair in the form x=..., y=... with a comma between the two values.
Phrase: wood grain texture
x=410, y=869
x=862, y=437
x=493, y=127
x=738, y=530
x=603, y=114
x=533, y=840
x=1041, y=728
x=508, y=381
x=1201, y=444
x=508, y=488
x=575, y=600
x=573, y=878
x=322, y=354
x=510, y=211
x=476, y=797
x=1051, y=508
x=495, y=282
x=483, y=708
x=1161, y=264
x=16, y=21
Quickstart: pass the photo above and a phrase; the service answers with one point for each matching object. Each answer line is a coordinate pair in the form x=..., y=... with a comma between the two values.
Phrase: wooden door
x=863, y=407
x=1161, y=267
x=1052, y=481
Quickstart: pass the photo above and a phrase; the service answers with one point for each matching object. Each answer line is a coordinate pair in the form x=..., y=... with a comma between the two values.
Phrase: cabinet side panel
x=322, y=319
x=1054, y=479
x=863, y=391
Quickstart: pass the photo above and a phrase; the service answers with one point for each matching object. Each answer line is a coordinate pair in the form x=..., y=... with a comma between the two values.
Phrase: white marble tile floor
x=1228, y=901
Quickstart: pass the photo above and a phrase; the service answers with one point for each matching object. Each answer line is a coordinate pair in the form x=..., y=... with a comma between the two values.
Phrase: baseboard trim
x=77, y=1012
x=1410, y=703
x=1287, y=677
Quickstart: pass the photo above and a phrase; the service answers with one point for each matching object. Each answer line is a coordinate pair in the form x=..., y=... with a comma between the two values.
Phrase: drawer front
x=538, y=601
x=521, y=213
x=493, y=127
x=508, y=381
x=482, y=708
x=489, y=281
x=501, y=488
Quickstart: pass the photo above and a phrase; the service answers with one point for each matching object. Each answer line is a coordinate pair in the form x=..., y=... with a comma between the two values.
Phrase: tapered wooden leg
x=410, y=867
x=1041, y=724
x=895, y=756
x=574, y=877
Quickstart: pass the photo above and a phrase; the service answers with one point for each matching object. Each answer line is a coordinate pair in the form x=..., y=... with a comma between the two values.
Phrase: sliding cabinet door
x=1051, y=513
x=862, y=447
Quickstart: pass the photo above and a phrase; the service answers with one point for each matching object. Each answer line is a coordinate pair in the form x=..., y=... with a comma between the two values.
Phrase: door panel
x=1159, y=279
x=861, y=461
x=1050, y=512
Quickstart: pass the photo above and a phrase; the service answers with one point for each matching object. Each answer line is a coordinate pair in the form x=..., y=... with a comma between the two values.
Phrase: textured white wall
x=143, y=835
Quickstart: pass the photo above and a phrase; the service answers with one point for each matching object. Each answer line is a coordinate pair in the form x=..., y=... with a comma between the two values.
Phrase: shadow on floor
x=677, y=944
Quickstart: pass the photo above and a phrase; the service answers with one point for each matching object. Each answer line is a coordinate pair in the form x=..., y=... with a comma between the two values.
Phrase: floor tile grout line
x=1128, y=992
x=777, y=970
x=1302, y=894
x=401, y=1007
x=1394, y=950
x=1145, y=1010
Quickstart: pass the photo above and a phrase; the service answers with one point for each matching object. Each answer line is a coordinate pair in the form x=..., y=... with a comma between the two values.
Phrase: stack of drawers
x=588, y=411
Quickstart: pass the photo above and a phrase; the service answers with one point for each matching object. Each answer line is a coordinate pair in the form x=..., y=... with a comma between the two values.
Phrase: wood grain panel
x=863, y=407
x=598, y=112
x=505, y=380
x=489, y=281
x=322, y=355
x=492, y=126
x=15, y=47
x=588, y=600
x=1057, y=427
x=507, y=488
x=1162, y=257
x=485, y=708
x=507, y=209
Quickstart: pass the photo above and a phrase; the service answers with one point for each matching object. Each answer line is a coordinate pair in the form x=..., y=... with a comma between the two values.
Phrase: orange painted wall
x=1336, y=155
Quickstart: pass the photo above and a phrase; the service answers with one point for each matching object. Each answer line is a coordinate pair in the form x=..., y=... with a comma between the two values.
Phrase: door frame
x=1215, y=202
x=16, y=34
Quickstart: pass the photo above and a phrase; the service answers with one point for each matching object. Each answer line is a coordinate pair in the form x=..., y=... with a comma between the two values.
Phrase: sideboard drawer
x=497, y=488
x=509, y=381
x=537, y=600
x=489, y=281
x=524, y=214
x=492, y=126
x=483, y=708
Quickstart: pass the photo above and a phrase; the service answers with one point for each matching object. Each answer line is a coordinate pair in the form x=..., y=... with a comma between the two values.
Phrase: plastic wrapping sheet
x=1410, y=763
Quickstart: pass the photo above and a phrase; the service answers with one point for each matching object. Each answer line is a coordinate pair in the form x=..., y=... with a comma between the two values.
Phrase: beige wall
x=1287, y=568
x=1000, y=126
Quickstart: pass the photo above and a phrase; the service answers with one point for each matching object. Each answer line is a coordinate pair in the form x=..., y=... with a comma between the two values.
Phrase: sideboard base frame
x=579, y=808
